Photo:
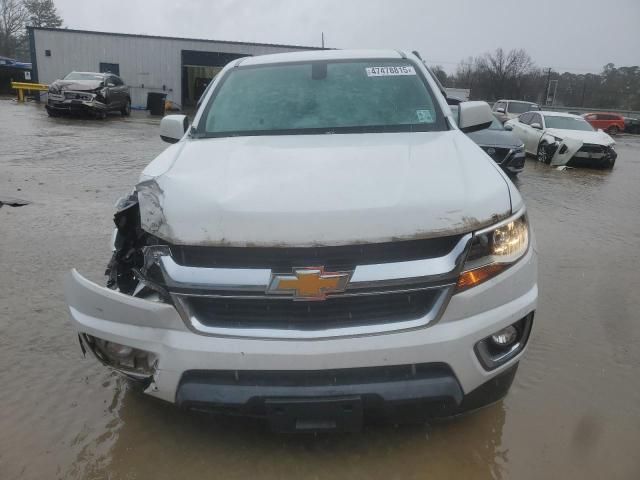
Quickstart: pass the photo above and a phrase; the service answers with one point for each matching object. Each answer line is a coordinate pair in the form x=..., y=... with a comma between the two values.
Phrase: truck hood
x=304, y=190
x=596, y=138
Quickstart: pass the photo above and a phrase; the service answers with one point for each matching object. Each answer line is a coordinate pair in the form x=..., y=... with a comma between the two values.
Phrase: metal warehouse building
x=181, y=67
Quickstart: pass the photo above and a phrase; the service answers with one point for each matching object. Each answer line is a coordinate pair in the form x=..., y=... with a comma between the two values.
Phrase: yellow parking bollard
x=22, y=86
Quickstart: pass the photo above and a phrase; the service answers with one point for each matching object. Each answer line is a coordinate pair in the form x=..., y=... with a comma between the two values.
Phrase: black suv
x=88, y=92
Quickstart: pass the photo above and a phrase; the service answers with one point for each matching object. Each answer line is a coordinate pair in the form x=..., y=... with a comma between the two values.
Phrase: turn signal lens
x=471, y=278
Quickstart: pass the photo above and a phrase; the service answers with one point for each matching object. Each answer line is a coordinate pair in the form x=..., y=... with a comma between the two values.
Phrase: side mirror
x=173, y=128
x=500, y=110
x=508, y=127
x=536, y=125
x=473, y=116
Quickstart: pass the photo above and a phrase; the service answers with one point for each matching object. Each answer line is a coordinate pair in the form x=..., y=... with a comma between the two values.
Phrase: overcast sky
x=574, y=35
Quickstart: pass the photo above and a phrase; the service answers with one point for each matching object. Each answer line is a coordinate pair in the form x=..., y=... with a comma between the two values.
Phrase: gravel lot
x=574, y=410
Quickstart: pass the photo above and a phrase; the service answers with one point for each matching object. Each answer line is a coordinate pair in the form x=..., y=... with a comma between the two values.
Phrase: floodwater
x=573, y=412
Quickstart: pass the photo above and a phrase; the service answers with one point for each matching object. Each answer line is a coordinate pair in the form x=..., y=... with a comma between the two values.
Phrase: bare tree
x=439, y=72
x=505, y=71
x=43, y=13
x=465, y=72
x=13, y=16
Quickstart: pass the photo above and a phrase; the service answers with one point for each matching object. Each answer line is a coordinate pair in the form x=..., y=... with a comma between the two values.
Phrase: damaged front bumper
x=75, y=102
x=166, y=353
x=575, y=153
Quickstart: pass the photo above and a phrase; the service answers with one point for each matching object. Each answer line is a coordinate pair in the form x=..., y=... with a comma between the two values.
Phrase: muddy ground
x=573, y=412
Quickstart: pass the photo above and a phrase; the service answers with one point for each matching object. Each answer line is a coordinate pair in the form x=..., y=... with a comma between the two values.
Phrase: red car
x=609, y=122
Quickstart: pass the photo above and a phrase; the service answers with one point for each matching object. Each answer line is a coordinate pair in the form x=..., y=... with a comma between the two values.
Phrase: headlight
x=493, y=250
x=53, y=89
x=519, y=149
x=150, y=200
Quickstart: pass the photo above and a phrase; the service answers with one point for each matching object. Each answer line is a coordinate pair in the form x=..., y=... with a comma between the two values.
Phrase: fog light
x=505, y=344
x=117, y=350
x=128, y=360
x=505, y=337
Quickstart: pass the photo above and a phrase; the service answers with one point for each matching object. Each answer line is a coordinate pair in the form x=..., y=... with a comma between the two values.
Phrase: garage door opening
x=198, y=69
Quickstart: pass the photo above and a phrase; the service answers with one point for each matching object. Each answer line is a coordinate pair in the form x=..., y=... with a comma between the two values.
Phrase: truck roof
x=311, y=55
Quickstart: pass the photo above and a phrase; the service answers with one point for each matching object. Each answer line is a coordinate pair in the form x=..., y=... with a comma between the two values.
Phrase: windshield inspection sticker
x=424, y=116
x=389, y=71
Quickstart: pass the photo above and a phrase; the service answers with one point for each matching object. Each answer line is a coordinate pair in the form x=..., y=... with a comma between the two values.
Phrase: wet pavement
x=573, y=412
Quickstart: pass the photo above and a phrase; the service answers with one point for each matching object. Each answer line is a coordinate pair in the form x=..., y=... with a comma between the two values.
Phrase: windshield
x=521, y=107
x=84, y=76
x=321, y=97
x=567, y=123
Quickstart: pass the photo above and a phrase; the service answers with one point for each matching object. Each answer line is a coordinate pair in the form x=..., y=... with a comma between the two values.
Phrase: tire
x=101, y=115
x=52, y=113
x=613, y=130
x=126, y=110
x=543, y=154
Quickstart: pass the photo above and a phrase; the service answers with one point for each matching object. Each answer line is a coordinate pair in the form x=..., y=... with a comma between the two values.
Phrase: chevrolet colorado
x=321, y=245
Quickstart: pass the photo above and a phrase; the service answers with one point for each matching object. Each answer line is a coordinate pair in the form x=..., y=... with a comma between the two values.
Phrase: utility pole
x=584, y=88
x=546, y=90
x=322, y=39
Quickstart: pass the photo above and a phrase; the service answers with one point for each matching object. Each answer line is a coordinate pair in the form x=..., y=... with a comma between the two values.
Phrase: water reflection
x=156, y=440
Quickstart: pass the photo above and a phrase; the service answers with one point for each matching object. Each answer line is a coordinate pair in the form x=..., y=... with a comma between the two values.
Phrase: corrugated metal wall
x=152, y=62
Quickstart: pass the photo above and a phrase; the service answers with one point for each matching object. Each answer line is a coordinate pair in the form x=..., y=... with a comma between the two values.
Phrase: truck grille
x=336, y=312
x=392, y=286
x=332, y=258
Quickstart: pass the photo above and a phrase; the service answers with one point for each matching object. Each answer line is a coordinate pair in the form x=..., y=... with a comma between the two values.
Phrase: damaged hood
x=303, y=190
x=77, y=85
x=595, y=138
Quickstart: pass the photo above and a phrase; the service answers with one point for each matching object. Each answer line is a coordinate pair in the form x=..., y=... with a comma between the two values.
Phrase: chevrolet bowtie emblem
x=311, y=283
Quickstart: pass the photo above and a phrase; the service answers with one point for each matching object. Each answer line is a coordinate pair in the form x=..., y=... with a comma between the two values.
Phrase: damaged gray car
x=89, y=93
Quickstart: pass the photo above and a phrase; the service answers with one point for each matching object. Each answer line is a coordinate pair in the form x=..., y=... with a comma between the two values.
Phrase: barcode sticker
x=389, y=71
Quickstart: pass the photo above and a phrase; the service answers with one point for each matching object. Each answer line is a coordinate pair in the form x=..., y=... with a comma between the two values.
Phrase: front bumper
x=605, y=159
x=86, y=102
x=157, y=327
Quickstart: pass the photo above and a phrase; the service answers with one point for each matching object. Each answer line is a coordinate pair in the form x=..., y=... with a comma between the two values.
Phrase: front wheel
x=614, y=130
x=543, y=153
x=126, y=110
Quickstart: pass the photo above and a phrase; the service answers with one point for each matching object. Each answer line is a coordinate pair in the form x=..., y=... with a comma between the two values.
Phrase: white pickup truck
x=322, y=244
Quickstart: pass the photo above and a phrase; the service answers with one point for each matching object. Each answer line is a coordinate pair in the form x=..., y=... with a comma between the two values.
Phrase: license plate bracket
x=288, y=415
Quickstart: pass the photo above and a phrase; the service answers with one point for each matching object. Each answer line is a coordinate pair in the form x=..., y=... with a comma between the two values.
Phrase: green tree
x=42, y=13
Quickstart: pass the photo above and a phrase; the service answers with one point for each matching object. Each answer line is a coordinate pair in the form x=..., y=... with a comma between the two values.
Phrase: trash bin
x=155, y=103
